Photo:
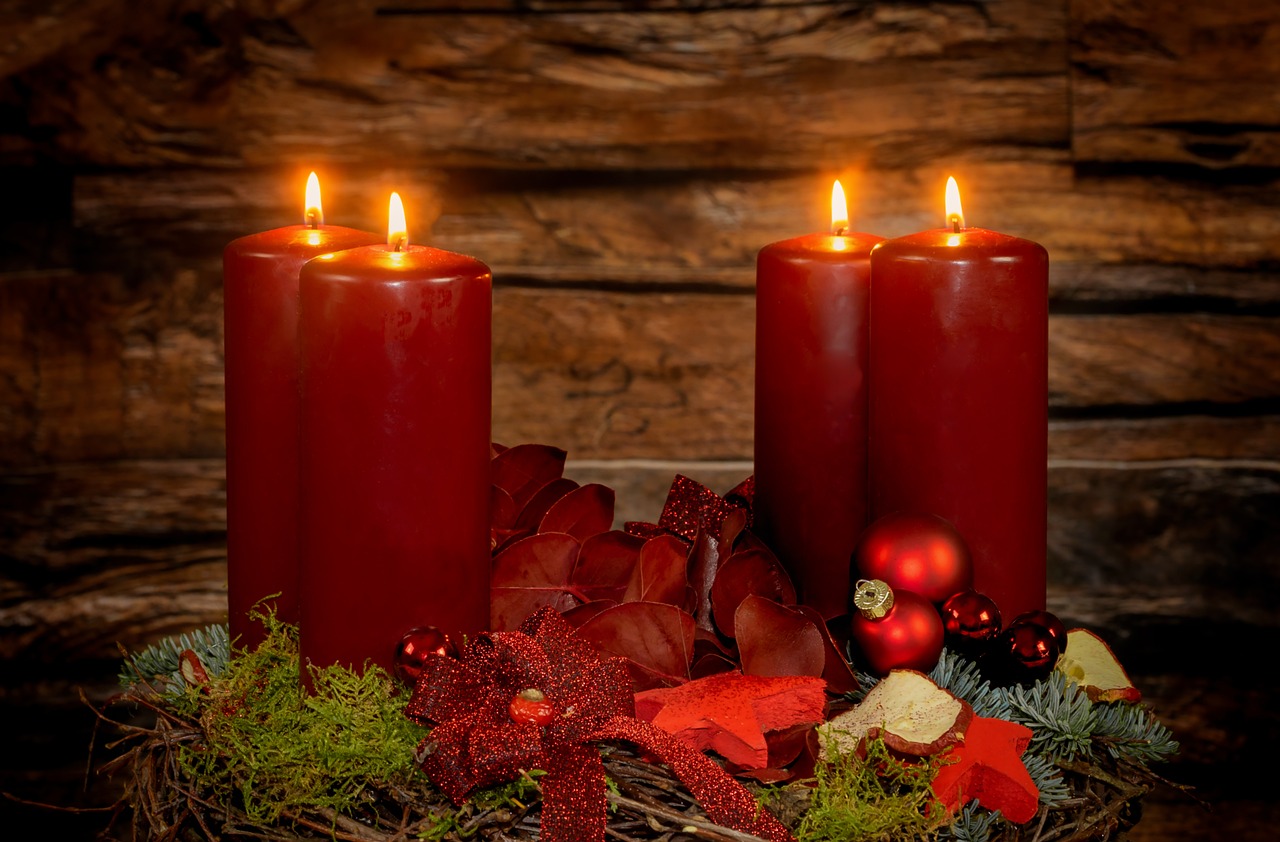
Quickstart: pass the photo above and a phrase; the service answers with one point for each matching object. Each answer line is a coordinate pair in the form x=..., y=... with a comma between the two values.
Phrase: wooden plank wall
x=618, y=163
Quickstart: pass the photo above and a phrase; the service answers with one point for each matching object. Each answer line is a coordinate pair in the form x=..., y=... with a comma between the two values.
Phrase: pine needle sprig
x=1047, y=777
x=962, y=677
x=1132, y=732
x=160, y=661
x=1059, y=715
x=973, y=824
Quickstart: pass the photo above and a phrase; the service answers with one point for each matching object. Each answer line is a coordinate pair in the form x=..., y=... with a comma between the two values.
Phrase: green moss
x=876, y=797
x=274, y=748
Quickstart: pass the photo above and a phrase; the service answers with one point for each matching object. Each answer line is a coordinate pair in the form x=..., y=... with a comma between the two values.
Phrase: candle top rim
x=297, y=239
x=381, y=262
x=819, y=244
x=971, y=241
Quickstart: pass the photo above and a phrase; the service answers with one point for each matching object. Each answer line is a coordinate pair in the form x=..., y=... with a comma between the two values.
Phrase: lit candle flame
x=313, y=213
x=839, y=209
x=955, y=214
x=397, y=230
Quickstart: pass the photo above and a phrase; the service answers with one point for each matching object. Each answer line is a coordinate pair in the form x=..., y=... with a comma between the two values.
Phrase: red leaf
x=542, y=500
x=836, y=670
x=583, y=512
x=711, y=663
x=655, y=638
x=579, y=614
x=529, y=574
x=709, y=550
x=500, y=539
x=605, y=564
x=774, y=639
x=731, y=713
x=747, y=573
x=733, y=526
x=522, y=470
x=659, y=572
x=502, y=509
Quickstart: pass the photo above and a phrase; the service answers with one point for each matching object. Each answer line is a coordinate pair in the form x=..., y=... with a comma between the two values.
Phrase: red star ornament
x=732, y=714
x=988, y=768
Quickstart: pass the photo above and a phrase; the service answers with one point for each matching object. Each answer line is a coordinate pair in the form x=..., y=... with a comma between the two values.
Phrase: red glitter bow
x=475, y=743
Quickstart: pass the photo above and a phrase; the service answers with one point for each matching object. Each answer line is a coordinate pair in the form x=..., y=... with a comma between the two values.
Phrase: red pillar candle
x=811, y=405
x=396, y=383
x=260, y=326
x=959, y=395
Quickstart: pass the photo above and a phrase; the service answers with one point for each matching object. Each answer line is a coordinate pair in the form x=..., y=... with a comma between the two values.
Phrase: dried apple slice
x=1089, y=661
x=908, y=711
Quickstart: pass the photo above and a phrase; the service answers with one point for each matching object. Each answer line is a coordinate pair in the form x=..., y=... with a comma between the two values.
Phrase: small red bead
x=531, y=705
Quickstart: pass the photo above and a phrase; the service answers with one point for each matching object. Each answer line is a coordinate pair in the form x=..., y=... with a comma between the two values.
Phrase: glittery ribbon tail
x=574, y=808
x=726, y=800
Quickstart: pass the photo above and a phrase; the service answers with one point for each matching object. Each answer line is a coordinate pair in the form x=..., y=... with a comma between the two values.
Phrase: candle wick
x=313, y=218
x=401, y=242
x=841, y=230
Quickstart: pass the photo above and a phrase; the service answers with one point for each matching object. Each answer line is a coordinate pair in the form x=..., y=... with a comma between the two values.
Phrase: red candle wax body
x=959, y=398
x=260, y=326
x=396, y=398
x=811, y=409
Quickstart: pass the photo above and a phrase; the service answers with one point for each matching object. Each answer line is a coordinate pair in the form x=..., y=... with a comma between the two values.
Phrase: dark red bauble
x=971, y=620
x=1050, y=621
x=916, y=552
x=899, y=630
x=416, y=647
x=1025, y=652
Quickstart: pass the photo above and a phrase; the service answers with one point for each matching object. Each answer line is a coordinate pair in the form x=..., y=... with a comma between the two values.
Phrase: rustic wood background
x=618, y=163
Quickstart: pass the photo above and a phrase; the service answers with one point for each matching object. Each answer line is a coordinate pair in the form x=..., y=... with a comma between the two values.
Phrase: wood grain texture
x=1167, y=82
x=202, y=83
x=94, y=369
x=1123, y=234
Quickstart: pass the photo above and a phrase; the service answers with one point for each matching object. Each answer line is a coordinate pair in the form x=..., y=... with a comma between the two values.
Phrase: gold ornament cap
x=873, y=598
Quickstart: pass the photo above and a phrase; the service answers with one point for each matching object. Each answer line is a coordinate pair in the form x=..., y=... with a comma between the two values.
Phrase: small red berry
x=531, y=705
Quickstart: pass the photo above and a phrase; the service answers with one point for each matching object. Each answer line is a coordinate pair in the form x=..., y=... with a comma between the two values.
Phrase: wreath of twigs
x=646, y=802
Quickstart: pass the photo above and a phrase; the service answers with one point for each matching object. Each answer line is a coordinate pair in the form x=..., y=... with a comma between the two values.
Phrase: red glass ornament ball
x=1028, y=651
x=531, y=705
x=917, y=552
x=1050, y=621
x=971, y=620
x=908, y=636
x=416, y=647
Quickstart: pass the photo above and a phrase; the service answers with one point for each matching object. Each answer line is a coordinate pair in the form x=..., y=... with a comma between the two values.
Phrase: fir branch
x=1132, y=732
x=160, y=661
x=972, y=824
x=962, y=677
x=1059, y=715
x=1047, y=777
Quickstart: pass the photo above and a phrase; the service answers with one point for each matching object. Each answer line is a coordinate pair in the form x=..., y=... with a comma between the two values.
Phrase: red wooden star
x=988, y=768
